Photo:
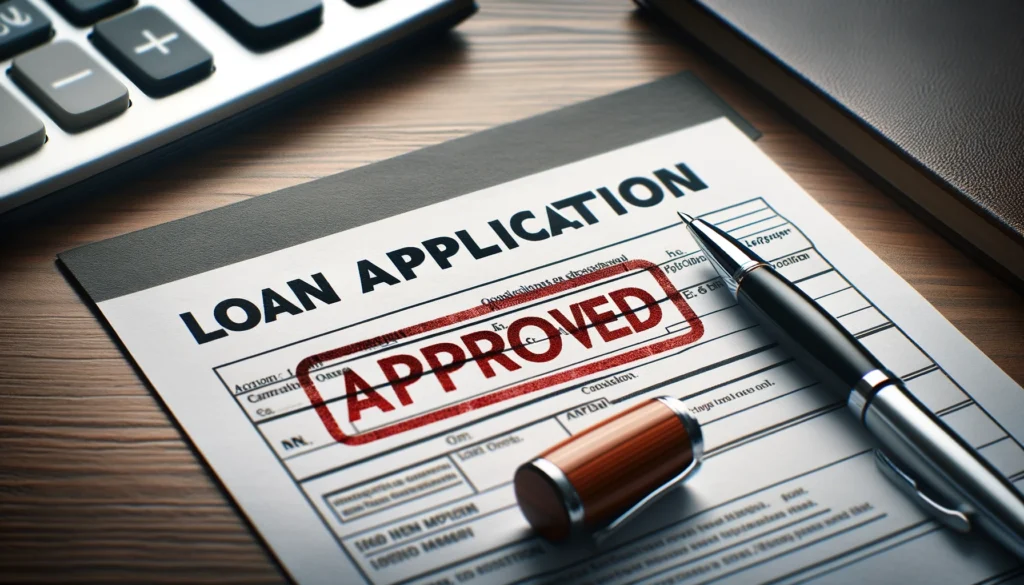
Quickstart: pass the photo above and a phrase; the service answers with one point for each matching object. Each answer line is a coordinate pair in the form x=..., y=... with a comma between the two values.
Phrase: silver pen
x=919, y=453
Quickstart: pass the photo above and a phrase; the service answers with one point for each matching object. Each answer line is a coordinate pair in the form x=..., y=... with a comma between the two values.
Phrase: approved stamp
x=562, y=332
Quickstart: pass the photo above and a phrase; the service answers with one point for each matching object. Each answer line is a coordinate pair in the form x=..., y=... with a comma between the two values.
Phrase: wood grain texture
x=96, y=481
x=617, y=462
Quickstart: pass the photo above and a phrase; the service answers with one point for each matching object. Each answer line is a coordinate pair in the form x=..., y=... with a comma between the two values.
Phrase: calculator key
x=73, y=88
x=153, y=51
x=21, y=27
x=20, y=131
x=86, y=12
x=265, y=23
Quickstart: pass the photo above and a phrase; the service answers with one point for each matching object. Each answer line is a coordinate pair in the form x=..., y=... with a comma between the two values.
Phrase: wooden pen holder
x=591, y=483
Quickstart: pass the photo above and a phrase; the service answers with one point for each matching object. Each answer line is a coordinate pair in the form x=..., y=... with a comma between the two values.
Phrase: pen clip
x=601, y=535
x=952, y=518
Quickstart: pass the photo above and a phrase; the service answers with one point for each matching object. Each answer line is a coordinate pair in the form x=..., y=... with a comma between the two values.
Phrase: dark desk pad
x=257, y=226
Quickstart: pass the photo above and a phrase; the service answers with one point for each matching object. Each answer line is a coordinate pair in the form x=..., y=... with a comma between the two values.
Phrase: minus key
x=75, y=90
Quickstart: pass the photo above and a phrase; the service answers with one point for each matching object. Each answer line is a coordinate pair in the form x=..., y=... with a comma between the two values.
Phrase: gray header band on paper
x=291, y=216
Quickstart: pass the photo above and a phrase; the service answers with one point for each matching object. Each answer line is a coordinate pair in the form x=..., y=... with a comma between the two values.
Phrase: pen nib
x=687, y=219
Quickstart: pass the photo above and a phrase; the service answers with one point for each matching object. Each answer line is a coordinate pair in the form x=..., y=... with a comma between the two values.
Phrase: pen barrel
x=805, y=330
x=946, y=468
x=586, y=482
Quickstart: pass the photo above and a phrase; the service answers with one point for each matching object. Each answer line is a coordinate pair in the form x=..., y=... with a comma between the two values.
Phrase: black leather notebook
x=928, y=95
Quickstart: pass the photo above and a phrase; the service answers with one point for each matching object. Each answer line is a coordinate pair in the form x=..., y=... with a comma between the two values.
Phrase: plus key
x=153, y=51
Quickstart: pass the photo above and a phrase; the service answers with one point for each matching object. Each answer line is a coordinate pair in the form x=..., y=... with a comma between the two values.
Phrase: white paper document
x=367, y=396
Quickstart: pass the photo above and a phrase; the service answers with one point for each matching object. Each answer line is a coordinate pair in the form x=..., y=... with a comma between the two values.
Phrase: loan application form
x=366, y=396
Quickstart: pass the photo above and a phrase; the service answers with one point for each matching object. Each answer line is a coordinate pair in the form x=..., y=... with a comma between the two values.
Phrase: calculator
x=91, y=85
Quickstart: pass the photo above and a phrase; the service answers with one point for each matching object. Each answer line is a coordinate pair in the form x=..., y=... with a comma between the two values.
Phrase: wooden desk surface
x=96, y=481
